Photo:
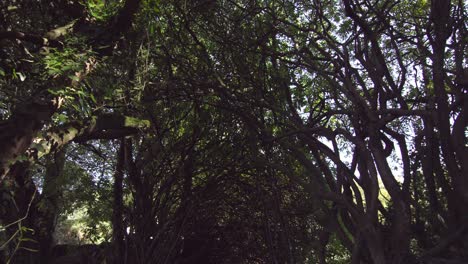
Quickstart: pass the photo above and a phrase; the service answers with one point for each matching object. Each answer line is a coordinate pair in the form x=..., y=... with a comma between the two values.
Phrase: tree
x=252, y=131
x=323, y=79
x=46, y=104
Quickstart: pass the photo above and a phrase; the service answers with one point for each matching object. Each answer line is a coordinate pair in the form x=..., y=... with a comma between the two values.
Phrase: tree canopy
x=233, y=131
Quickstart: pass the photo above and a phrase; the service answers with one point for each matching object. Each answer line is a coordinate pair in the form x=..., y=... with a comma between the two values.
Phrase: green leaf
x=29, y=249
x=92, y=98
x=26, y=229
x=62, y=118
x=74, y=78
x=26, y=239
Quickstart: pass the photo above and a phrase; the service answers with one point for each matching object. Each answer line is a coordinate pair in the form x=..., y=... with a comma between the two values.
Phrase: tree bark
x=51, y=195
x=118, y=227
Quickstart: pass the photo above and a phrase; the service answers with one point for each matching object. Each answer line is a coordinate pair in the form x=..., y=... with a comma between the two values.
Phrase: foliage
x=102, y=10
x=85, y=199
x=271, y=131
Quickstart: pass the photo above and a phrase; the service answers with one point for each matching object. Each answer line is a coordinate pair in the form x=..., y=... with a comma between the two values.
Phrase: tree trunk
x=51, y=196
x=117, y=216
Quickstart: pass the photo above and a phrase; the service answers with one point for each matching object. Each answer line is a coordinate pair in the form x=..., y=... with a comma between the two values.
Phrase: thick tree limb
x=106, y=126
x=18, y=132
x=35, y=39
x=446, y=242
x=124, y=18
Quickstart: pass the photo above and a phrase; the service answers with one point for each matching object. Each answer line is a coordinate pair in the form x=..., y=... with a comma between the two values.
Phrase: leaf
x=92, y=98
x=26, y=239
x=23, y=157
x=21, y=75
x=62, y=118
x=74, y=78
x=29, y=249
x=25, y=229
x=51, y=91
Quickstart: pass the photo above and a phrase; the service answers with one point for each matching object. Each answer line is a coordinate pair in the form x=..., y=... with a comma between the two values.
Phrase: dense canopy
x=233, y=131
